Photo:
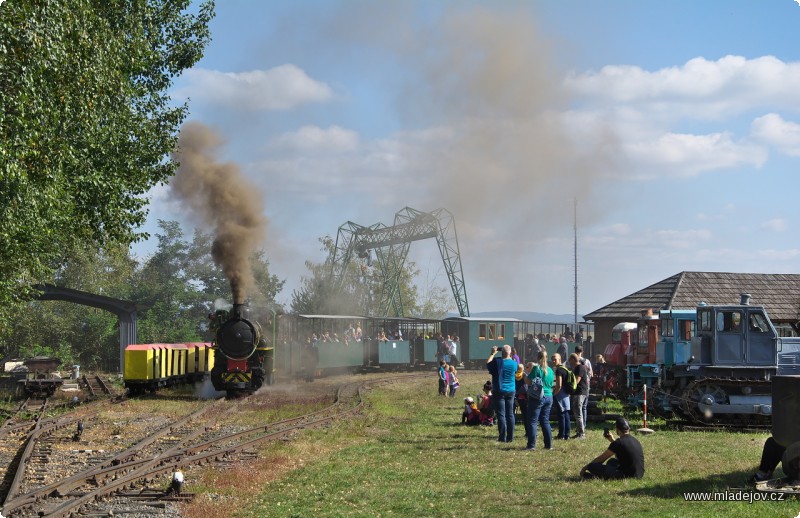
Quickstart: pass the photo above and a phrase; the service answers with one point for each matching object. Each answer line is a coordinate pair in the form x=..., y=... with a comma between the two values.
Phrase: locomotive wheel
x=257, y=379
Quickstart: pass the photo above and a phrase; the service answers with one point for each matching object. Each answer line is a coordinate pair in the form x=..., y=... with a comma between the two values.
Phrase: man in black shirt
x=629, y=461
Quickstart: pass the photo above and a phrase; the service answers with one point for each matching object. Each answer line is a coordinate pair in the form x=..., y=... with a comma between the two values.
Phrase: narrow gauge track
x=14, y=435
x=20, y=431
x=188, y=444
x=96, y=386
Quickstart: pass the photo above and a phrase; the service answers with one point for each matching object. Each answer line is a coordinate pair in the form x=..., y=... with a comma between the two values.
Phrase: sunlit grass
x=409, y=456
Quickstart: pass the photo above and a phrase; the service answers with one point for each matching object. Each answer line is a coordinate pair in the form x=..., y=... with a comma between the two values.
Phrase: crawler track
x=718, y=389
x=185, y=442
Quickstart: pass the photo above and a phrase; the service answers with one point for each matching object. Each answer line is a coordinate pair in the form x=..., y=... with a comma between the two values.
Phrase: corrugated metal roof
x=778, y=293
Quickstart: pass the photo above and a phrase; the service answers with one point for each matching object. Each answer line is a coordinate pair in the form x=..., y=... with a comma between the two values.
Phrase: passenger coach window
x=492, y=333
x=502, y=329
x=482, y=332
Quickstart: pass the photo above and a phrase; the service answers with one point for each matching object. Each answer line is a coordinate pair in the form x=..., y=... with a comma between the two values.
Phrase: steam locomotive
x=243, y=361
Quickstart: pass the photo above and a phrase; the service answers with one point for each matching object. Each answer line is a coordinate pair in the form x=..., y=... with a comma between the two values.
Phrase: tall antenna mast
x=575, y=255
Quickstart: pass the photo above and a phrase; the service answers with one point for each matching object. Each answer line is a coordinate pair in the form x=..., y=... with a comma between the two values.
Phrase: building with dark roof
x=778, y=293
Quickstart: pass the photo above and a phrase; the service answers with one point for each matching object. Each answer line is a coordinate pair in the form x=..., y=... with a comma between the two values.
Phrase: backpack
x=570, y=381
x=536, y=387
x=589, y=371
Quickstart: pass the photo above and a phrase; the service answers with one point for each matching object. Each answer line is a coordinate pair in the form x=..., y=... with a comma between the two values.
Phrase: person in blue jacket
x=503, y=371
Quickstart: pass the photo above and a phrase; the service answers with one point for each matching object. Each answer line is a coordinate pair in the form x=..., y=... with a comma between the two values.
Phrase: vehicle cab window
x=729, y=321
x=758, y=323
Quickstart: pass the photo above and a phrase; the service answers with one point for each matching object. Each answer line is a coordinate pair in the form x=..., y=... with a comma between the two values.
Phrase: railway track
x=188, y=441
x=96, y=386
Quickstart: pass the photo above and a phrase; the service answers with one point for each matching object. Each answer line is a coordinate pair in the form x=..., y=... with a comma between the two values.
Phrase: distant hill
x=528, y=316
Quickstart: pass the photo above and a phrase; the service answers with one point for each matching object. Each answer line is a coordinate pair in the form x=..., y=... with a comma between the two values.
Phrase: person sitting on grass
x=471, y=415
x=485, y=404
x=773, y=454
x=629, y=461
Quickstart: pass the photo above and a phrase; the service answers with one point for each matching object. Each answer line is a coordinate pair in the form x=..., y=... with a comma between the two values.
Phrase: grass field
x=408, y=455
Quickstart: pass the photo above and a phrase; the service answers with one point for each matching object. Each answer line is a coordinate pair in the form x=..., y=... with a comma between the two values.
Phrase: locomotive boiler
x=242, y=359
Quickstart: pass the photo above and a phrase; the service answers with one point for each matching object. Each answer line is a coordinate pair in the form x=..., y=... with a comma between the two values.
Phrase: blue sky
x=675, y=126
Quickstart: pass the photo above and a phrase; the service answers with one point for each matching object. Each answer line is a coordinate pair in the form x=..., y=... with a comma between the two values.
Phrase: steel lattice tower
x=391, y=246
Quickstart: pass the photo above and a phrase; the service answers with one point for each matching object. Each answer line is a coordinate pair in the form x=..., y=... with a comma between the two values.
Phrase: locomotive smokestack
x=238, y=311
x=745, y=299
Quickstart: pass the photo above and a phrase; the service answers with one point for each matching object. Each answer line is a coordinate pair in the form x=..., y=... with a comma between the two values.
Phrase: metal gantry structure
x=390, y=246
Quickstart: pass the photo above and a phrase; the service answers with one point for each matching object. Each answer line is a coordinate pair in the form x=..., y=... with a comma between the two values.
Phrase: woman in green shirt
x=539, y=408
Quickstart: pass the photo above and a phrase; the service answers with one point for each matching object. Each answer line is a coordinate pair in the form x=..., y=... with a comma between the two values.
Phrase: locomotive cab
x=734, y=336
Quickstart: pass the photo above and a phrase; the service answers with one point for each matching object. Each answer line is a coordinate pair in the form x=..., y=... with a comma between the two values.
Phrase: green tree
x=86, y=124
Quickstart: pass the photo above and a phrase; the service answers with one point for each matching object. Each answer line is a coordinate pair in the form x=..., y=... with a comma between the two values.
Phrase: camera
x=606, y=431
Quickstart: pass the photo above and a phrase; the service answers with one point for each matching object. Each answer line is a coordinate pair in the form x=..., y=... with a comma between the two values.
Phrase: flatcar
x=40, y=377
x=152, y=366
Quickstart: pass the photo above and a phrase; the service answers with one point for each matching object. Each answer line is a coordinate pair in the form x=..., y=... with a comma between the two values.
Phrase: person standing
x=453, y=381
x=443, y=378
x=539, y=409
x=452, y=349
x=629, y=461
x=503, y=370
x=580, y=396
x=562, y=349
x=589, y=373
x=561, y=398
x=522, y=398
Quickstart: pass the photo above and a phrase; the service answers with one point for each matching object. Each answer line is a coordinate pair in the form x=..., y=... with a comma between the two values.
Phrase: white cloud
x=620, y=229
x=682, y=239
x=776, y=225
x=688, y=155
x=700, y=89
x=790, y=254
x=782, y=134
x=313, y=138
x=279, y=88
x=726, y=212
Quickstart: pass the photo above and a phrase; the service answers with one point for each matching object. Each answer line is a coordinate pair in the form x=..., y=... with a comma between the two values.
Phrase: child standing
x=442, y=378
x=453, y=381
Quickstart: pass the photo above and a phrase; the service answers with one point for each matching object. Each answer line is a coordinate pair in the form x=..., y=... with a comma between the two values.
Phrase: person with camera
x=628, y=461
x=503, y=371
